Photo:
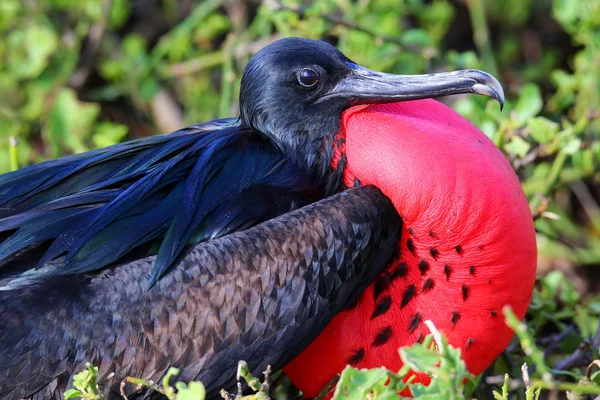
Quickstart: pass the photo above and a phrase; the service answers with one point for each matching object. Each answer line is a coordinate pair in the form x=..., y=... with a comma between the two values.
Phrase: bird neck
x=311, y=144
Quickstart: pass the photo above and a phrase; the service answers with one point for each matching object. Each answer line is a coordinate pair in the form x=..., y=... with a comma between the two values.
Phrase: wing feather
x=257, y=295
x=157, y=194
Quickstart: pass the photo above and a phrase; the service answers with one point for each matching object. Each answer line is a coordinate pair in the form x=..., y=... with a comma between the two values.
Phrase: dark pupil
x=308, y=77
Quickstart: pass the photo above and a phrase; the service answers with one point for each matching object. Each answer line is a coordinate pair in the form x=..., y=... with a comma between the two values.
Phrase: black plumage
x=260, y=295
x=168, y=191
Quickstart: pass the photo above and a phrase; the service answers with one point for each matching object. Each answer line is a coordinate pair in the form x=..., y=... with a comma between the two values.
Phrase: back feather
x=154, y=195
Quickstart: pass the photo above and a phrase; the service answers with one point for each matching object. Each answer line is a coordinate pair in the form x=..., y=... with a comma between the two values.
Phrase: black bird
x=155, y=252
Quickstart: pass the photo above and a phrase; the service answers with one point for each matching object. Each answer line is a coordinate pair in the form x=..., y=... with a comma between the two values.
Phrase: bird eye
x=307, y=77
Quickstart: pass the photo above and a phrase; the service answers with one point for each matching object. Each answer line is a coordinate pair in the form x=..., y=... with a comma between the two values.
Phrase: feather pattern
x=157, y=194
x=260, y=295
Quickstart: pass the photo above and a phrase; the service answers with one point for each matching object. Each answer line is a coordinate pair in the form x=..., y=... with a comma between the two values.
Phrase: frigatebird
x=163, y=251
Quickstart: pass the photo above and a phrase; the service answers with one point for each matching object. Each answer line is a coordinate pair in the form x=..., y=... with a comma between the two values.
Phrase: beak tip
x=499, y=97
x=499, y=94
x=488, y=85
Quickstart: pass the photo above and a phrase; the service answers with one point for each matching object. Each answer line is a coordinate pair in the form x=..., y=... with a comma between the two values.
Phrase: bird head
x=295, y=90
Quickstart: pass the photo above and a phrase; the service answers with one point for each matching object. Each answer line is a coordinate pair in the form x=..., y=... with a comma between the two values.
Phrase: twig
x=437, y=336
x=525, y=375
x=588, y=371
x=544, y=202
x=581, y=355
x=165, y=112
x=140, y=383
x=237, y=11
x=266, y=385
x=261, y=389
x=527, y=342
x=481, y=35
x=13, y=154
x=501, y=379
x=227, y=79
x=542, y=209
x=122, y=390
x=328, y=388
x=562, y=386
x=575, y=359
x=555, y=237
x=95, y=36
x=587, y=201
x=528, y=159
x=554, y=340
x=244, y=372
x=215, y=58
x=194, y=65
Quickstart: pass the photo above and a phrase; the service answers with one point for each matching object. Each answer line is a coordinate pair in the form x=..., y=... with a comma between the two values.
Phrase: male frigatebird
x=77, y=285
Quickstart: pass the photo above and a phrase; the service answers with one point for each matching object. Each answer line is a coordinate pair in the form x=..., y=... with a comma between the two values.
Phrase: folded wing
x=259, y=295
x=154, y=195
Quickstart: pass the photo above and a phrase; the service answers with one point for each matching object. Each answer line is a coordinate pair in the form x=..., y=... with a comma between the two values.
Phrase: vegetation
x=76, y=75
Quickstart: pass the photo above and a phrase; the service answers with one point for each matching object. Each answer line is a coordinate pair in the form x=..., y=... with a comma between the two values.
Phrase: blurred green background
x=75, y=75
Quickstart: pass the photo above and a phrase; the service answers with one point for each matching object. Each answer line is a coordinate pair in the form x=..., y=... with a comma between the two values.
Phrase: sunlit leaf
x=529, y=103
x=542, y=130
x=30, y=50
x=70, y=123
x=518, y=146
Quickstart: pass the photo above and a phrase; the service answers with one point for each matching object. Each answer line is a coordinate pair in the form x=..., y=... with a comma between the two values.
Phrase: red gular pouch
x=468, y=245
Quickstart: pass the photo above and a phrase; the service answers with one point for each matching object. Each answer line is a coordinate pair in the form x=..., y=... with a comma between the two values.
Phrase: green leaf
x=8, y=12
x=465, y=60
x=529, y=104
x=356, y=384
x=542, y=130
x=70, y=123
x=108, y=133
x=72, y=394
x=566, y=12
x=148, y=88
x=559, y=285
x=416, y=37
x=30, y=50
x=517, y=146
x=489, y=128
x=119, y=12
x=193, y=391
x=434, y=391
x=214, y=24
x=134, y=45
x=167, y=389
x=419, y=358
x=572, y=146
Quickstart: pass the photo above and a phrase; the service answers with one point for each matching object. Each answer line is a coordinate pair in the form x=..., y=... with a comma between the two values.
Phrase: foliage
x=434, y=357
x=440, y=361
x=87, y=387
x=85, y=384
x=76, y=75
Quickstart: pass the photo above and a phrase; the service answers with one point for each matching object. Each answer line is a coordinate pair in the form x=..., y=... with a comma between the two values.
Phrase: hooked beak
x=364, y=86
